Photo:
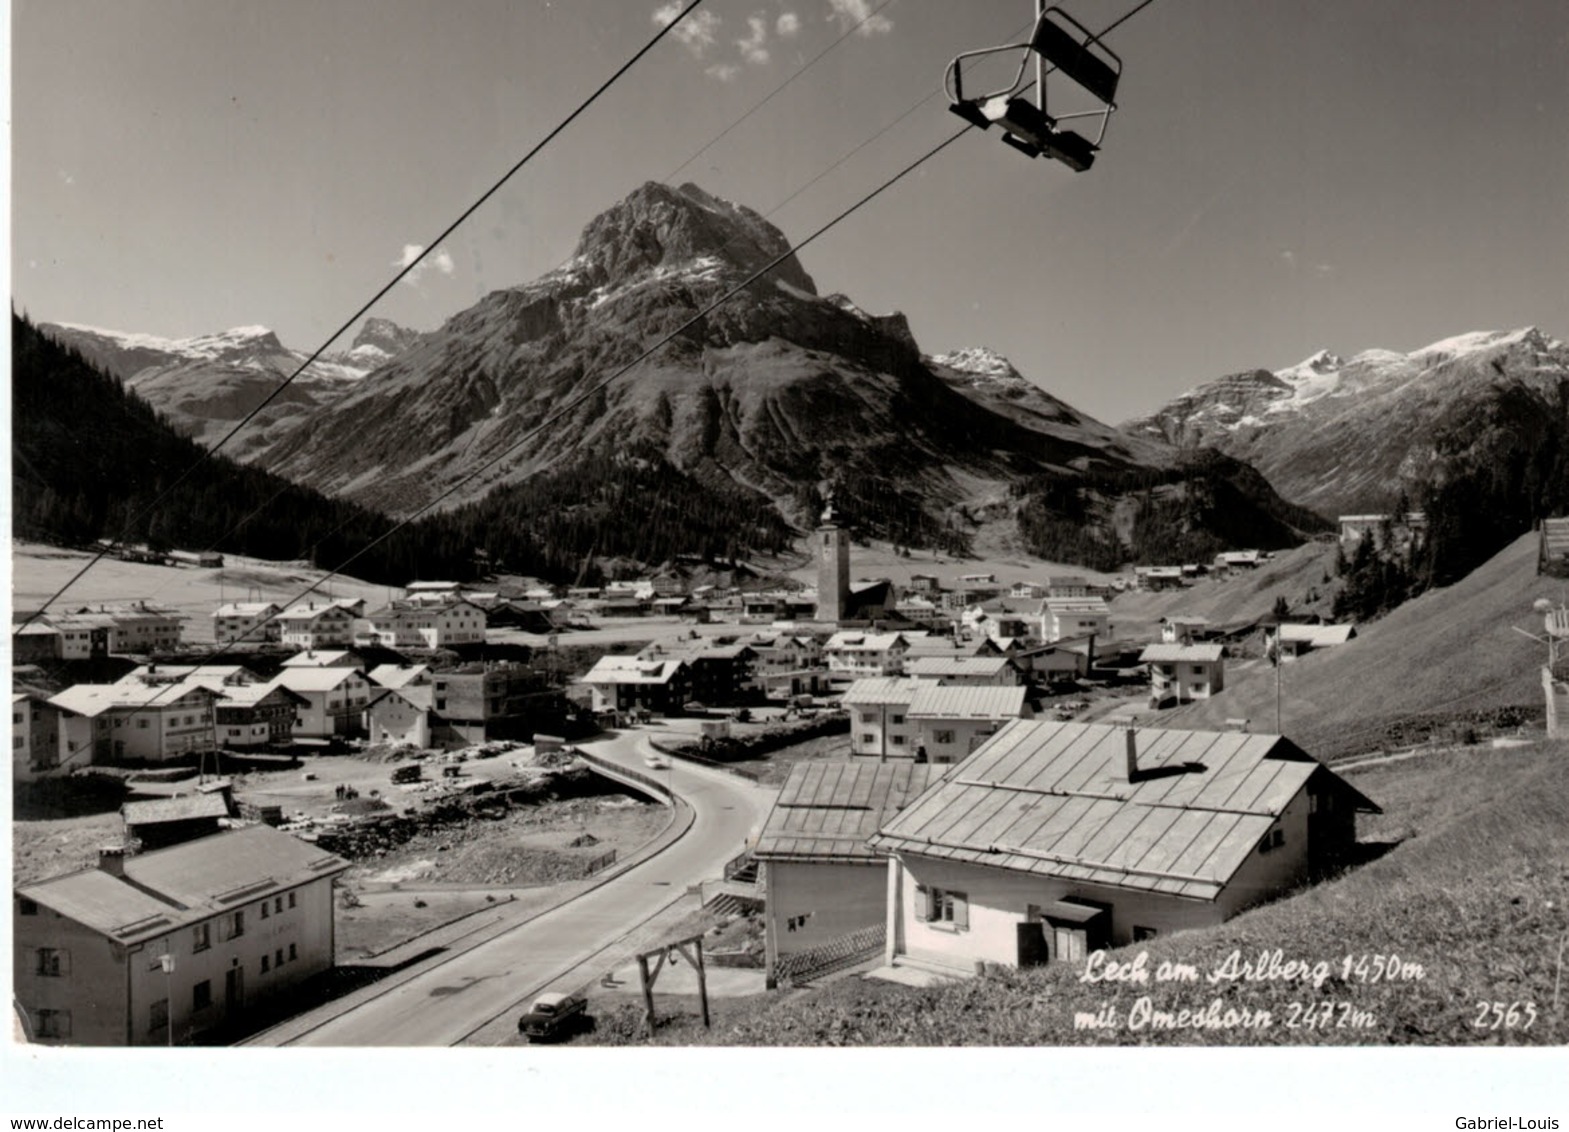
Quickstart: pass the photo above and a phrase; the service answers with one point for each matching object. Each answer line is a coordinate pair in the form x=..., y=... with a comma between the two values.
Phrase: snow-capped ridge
x=979, y=360
x=1470, y=343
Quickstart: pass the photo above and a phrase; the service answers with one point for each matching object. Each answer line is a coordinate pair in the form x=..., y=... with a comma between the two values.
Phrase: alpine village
x=874, y=697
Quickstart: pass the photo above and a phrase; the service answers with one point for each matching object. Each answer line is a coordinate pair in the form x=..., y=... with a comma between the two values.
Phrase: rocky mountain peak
x=980, y=361
x=384, y=336
x=686, y=229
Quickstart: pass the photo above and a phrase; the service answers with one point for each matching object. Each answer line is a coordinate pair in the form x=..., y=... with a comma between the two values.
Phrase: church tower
x=832, y=544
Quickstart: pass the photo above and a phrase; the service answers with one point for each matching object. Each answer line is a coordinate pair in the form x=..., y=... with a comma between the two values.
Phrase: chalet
x=138, y=627
x=317, y=624
x=968, y=670
x=210, y=675
x=1288, y=642
x=778, y=605
x=853, y=653
x=35, y=736
x=1002, y=619
x=1065, y=617
x=1027, y=590
x=393, y=717
x=157, y=823
x=110, y=723
x=37, y=640
x=82, y=636
x=250, y=621
x=405, y=678
x=787, y=664
x=1058, y=662
x=827, y=890
x=1156, y=578
x=1182, y=628
x=251, y=716
x=624, y=683
x=919, y=610
x=421, y=624
x=531, y=615
x=335, y=700
x=432, y=591
x=927, y=584
x=952, y=648
x=719, y=674
x=155, y=948
x=1055, y=839
x=879, y=709
x=1068, y=585
x=1180, y=674
x=951, y=721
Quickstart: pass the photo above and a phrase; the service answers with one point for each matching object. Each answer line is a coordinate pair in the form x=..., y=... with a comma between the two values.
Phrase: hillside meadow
x=1450, y=936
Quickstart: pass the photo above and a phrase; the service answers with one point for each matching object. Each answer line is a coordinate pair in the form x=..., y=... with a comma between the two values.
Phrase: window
x=896, y=719
x=291, y=900
x=264, y=909
x=797, y=923
x=201, y=995
x=236, y=926
x=53, y=962
x=53, y=1023
x=265, y=967
x=201, y=937
x=1142, y=933
x=18, y=742
x=942, y=737
x=293, y=953
x=158, y=1015
x=277, y=904
x=868, y=738
x=942, y=906
x=896, y=740
x=27, y=907
x=277, y=958
x=1274, y=839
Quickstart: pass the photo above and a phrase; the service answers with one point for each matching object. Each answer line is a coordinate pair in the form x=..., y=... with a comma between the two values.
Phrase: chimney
x=1133, y=755
x=111, y=859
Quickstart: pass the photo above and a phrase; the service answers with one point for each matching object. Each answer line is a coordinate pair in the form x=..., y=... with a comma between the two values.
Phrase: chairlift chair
x=1059, y=43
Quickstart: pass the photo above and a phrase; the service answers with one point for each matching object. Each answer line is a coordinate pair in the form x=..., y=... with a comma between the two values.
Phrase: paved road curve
x=445, y=1004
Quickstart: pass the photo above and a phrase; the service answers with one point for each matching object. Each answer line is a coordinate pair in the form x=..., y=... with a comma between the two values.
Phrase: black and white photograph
x=1003, y=544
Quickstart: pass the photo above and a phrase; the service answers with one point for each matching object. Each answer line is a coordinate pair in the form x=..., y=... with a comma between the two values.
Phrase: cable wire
x=377, y=297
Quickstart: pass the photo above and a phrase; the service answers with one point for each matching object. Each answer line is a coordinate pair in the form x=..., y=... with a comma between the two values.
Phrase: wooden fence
x=835, y=955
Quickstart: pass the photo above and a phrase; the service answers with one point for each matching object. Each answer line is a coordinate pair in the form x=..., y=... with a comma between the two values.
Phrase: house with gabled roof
x=335, y=700
x=854, y=653
x=1055, y=839
x=952, y=720
x=1063, y=618
x=250, y=621
x=1291, y=641
x=1180, y=674
x=102, y=724
x=827, y=889
x=325, y=658
x=973, y=670
x=318, y=623
x=155, y=948
x=879, y=716
x=35, y=736
x=626, y=683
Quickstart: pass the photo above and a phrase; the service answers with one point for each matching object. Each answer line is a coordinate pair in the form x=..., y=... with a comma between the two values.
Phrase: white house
x=108, y=723
x=826, y=888
x=852, y=653
x=422, y=624
x=1181, y=628
x=1065, y=617
x=317, y=624
x=35, y=736
x=879, y=707
x=1180, y=674
x=952, y=720
x=335, y=700
x=397, y=718
x=1055, y=839
x=248, y=621
x=155, y=948
x=1291, y=641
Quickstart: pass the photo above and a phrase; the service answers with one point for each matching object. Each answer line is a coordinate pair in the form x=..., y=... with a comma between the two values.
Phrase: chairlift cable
x=393, y=282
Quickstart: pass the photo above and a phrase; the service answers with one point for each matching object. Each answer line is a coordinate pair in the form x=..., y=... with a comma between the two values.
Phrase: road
x=455, y=998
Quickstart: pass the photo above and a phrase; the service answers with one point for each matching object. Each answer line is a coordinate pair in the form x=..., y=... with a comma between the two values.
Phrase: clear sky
x=1280, y=176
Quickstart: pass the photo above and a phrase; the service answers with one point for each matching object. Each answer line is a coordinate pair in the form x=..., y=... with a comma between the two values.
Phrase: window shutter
x=961, y=910
x=923, y=903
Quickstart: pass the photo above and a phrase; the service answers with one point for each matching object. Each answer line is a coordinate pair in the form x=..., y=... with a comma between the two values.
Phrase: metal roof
x=973, y=701
x=1319, y=636
x=182, y=807
x=1054, y=798
x=323, y=658
x=184, y=884
x=314, y=679
x=956, y=665
x=398, y=675
x=881, y=690
x=826, y=811
x=632, y=670
x=1189, y=654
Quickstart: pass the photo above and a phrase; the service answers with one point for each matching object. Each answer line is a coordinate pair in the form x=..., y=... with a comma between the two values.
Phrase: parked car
x=656, y=762
x=554, y=1015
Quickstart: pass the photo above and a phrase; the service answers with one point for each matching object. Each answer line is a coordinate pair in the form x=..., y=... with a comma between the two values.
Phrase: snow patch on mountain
x=980, y=361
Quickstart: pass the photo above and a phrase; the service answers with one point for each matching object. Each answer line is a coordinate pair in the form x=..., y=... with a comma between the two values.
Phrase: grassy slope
x=1451, y=650
x=1477, y=893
